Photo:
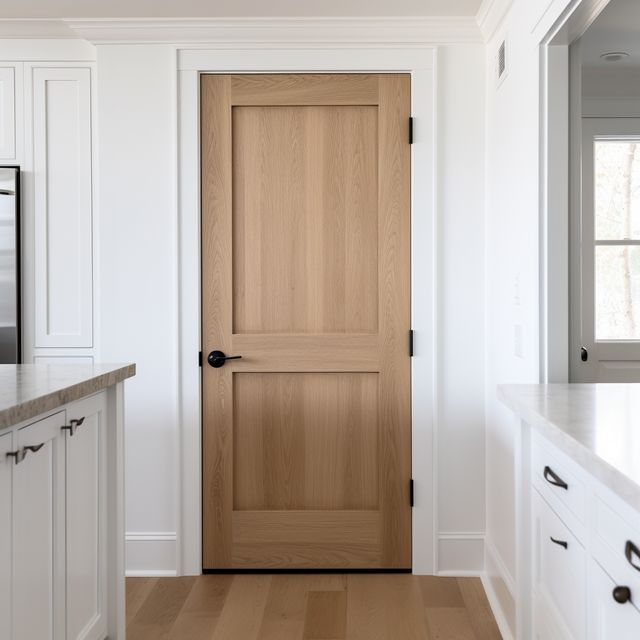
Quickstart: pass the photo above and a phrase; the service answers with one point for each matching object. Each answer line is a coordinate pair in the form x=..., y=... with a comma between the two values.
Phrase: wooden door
x=306, y=275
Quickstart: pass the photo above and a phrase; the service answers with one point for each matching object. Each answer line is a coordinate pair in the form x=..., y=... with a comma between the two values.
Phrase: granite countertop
x=598, y=425
x=28, y=390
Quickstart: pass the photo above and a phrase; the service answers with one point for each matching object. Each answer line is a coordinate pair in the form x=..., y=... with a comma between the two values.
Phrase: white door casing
x=421, y=63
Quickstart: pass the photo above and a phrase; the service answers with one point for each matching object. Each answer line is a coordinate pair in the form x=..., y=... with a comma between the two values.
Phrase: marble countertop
x=28, y=390
x=598, y=425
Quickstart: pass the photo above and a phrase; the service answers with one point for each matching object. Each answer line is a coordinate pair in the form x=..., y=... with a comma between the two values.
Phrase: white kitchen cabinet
x=5, y=534
x=86, y=518
x=62, y=207
x=38, y=531
x=7, y=112
x=559, y=576
x=612, y=620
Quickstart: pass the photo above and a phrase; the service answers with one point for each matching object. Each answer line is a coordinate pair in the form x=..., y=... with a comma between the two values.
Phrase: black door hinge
x=200, y=358
x=411, y=130
x=411, y=343
x=411, y=492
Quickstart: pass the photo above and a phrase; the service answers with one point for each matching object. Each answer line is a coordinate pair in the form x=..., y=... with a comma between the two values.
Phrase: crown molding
x=12, y=29
x=225, y=32
x=490, y=16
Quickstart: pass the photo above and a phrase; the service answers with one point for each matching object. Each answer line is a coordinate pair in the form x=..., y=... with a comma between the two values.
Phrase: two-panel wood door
x=306, y=276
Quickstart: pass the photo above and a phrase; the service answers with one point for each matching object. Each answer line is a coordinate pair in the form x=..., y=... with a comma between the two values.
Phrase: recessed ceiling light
x=614, y=56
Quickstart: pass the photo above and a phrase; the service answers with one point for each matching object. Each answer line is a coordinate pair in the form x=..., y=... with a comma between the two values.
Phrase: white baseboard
x=460, y=554
x=151, y=574
x=151, y=554
x=499, y=586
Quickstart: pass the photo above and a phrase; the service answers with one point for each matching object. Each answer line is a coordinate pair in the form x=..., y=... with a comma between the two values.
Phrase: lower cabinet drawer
x=621, y=539
x=559, y=580
x=613, y=617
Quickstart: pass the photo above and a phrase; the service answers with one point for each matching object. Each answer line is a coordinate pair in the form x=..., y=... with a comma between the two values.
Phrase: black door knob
x=217, y=359
x=622, y=594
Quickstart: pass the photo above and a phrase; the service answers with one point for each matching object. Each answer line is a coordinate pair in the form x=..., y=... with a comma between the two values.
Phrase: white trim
x=143, y=536
x=151, y=573
x=461, y=535
x=40, y=50
x=232, y=32
x=496, y=609
x=421, y=63
x=490, y=16
x=504, y=573
x=460, y=574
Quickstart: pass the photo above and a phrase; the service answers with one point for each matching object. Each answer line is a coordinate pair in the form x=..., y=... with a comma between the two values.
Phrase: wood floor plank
x=440, y=592
x=284, y=615
x=450, y=623
x=138, y=589
x=201, y=611
x=480, y=614
x=326, y=615
x=384, y=607
x=159, y=611
x=309, y=607
x=244, y=608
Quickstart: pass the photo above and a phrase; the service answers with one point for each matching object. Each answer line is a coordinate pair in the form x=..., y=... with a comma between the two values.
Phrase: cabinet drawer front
x=622, y=540
x=556, y=481
x=610, y=619
x=559, y=568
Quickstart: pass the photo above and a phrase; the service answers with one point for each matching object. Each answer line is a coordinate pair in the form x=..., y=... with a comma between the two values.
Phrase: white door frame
x=560, y=112
x=420, y=61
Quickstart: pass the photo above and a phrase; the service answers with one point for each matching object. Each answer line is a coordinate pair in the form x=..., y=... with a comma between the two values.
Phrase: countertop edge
x=613, y=479
x=39, y=405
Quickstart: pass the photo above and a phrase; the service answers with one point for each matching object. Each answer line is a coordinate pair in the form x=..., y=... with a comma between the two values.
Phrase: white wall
x=512, y=266
x=460, y=425
x=133, y=302
x=138, y=290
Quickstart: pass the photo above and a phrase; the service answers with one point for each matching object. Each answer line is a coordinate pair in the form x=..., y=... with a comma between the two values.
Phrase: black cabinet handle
x=21, y=454
x=553, y=478
x=630, y=550
x=73, y=425
x=622, y=595
x=217, y=359
x=560, y=543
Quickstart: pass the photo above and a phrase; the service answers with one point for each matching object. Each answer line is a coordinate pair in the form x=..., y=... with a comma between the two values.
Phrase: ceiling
x=617, y=28
x=53, y=9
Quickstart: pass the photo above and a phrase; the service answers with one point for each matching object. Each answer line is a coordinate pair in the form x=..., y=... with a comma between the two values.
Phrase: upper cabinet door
x=39, y=531
x=7, y=113
x=86, y=519
x=63, y=207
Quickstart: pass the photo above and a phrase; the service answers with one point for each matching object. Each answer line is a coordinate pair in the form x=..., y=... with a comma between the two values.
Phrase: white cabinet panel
x=38, y=532
x=62, y=207
x=560, y=571
x=86, y=508
x=5, y=535
x=7, y=113
x=611, y=620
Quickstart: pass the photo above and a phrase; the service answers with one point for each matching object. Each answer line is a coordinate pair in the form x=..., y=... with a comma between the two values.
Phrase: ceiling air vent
x=502, y=59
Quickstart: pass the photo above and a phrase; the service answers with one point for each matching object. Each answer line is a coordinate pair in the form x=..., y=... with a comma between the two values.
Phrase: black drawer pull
x=622, y=595
x=560, y=543
x=630, y=550
x=553, y=478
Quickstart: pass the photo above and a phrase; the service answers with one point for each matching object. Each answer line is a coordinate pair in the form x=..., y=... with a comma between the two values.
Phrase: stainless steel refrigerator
x=10, y=265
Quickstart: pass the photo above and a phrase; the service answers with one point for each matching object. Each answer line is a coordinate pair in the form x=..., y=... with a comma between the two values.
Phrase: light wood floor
x=308, y=607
